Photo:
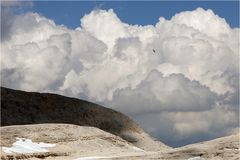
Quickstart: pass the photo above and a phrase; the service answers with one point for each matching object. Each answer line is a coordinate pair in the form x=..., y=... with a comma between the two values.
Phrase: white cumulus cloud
x=178, y=79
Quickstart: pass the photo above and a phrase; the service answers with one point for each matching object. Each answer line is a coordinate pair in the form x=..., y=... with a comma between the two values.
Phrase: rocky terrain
x=20, y=108
x=224, y=148
x=80, y=130
x=72, y=141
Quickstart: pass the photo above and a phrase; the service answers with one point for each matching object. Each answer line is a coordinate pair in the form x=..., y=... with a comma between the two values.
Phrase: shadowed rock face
x=20, y=108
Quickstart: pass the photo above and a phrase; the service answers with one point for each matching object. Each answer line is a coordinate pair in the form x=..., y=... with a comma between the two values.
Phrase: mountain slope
x=80, y=142
x=20, y=108
x=69, y=142
x=224, y=148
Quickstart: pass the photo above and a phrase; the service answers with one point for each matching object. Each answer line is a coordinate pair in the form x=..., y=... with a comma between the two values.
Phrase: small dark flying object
x=154, y=51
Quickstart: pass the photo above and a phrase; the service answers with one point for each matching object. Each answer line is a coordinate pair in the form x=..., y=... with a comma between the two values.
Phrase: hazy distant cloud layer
x=178, y=79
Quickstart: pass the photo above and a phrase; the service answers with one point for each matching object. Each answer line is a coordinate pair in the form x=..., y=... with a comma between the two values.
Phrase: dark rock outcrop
x=20, y=108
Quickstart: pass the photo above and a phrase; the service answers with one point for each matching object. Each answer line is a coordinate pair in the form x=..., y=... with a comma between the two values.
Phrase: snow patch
x=23, y=145
x=137, y=149
x=196, y=158
x=92, y=158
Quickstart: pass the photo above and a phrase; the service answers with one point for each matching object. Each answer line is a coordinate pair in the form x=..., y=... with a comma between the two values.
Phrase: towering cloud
x=178, y=79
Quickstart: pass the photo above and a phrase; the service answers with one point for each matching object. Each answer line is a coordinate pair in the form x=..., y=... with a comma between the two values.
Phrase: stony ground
x=75, y=142
x=225, y=148
x=71, y=141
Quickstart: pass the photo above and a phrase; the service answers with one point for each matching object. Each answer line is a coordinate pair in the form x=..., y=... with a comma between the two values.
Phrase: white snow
x=196, y=158
x=92, y=158
x=23, y=145
x=137, y=149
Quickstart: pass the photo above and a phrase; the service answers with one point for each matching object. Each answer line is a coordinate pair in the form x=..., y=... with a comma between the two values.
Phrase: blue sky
x=132, y=12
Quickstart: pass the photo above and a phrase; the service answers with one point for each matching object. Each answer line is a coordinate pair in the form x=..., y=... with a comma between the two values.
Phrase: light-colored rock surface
x=71, y=141
x=225, y=148
x=80, y=143
x=146, y=142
